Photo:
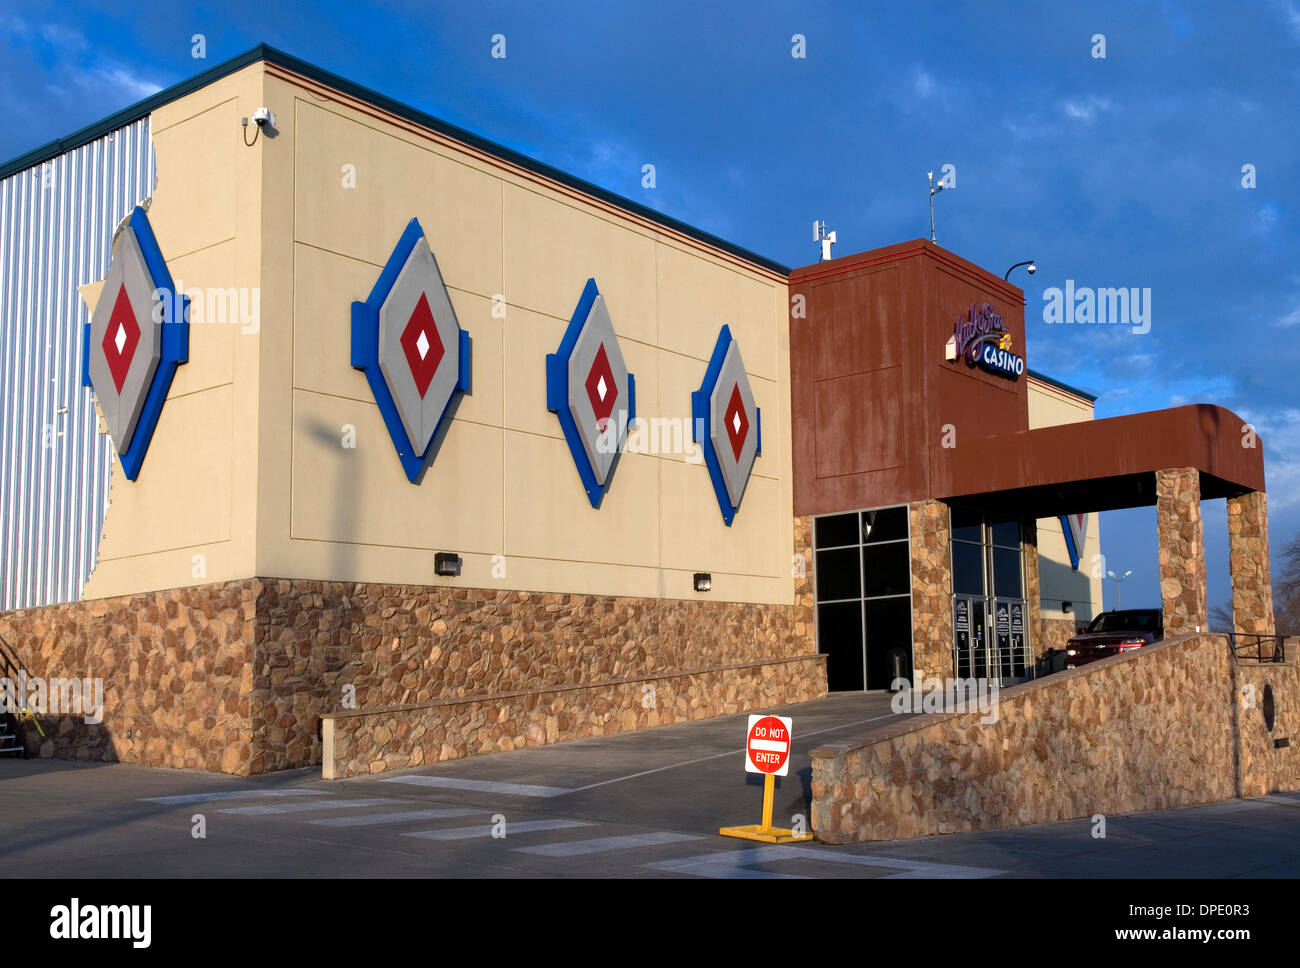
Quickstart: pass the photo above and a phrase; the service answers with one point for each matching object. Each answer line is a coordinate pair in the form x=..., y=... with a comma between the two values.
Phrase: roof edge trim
x=263, y=52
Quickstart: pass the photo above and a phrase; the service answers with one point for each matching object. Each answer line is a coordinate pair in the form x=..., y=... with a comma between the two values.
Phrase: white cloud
x=924, y=85
x=75, y=57
x=1085, y=110
x=122, y=79
x=1290, y=15
x=1279, y=431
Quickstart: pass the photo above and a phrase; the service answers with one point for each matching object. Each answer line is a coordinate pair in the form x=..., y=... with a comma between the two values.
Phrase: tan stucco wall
x=1049, y=407
x=196, y=493
x=247, y=466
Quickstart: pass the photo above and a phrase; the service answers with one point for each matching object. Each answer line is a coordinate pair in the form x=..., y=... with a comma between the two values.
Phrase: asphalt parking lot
x=645, y=804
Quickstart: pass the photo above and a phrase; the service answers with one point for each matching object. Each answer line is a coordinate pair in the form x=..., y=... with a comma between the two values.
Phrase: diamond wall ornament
x=590, y=390
x=407, y=340
x=726, y=424
x=137, y=336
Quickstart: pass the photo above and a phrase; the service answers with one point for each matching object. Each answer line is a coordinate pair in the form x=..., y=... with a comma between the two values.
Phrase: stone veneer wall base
x=235, y=677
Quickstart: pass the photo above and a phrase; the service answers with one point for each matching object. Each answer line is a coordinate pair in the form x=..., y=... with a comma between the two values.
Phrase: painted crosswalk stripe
x=370, y=819
x=577, y=847
x=232, y=795
x=485, y=829
x=729, y=865
x=481, y=786
x=739, y=864
x=265, y=809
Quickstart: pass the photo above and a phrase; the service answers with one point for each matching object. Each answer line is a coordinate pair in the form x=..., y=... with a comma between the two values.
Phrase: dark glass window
x=1006, y=573
x=1006, y=532
x=837, y=575
x=967, y=568
x=886, y=569
x=839, y=529
x=967, y=525
x=889, y=632
x=889, y=524
x=839, y=632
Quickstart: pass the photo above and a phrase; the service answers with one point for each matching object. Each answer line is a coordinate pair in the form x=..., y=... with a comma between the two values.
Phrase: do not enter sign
x=767, y=751
x=768, y=747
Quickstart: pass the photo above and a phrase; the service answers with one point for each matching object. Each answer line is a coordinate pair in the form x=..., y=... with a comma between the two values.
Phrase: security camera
x=1032, y=268
x=262, y=117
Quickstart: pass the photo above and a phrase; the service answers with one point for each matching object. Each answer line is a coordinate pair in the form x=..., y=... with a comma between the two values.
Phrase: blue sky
x=1122, y=171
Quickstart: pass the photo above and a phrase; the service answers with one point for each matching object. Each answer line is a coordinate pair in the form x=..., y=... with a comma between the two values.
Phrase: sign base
x=764, y=831
x=768, y=835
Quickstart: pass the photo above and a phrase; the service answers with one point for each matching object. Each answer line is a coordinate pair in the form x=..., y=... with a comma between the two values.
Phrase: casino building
x=351, y=438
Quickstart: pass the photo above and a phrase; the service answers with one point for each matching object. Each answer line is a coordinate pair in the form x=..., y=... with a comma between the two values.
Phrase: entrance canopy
x=1101, y=465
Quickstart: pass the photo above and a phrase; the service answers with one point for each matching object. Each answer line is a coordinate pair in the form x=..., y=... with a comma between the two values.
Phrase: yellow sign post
x=767, y=751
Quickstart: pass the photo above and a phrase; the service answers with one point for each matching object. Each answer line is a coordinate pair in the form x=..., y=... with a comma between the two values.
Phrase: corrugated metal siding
x=56, y=227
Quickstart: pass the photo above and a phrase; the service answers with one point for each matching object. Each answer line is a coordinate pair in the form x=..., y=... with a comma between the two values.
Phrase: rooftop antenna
x=827, y=239
x=934, y=190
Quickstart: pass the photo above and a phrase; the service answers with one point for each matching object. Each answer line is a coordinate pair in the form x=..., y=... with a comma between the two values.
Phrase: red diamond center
x=736, y=421
x=121, y=339
x=601, y=390
x=420, y=343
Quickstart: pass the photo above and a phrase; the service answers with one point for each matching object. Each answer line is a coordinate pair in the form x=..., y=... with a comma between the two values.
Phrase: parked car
x=1111, y=633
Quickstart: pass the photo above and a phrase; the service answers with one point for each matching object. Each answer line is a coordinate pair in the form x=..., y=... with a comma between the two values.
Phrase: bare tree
x=1286, y=592
x=1221, y=618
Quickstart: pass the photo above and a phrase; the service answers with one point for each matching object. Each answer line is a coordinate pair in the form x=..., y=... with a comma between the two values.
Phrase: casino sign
x=983, y=340
x=590, y=390
x=408, y=342
x=137, y=336
x=726, y=424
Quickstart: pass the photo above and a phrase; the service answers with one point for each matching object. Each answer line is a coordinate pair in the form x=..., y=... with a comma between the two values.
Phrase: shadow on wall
x=347, y=491
x=1068, y=584
x=61, y=716
x=66, y=738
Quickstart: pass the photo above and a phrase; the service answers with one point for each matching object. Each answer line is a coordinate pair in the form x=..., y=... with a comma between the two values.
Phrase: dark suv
x=1111, y=633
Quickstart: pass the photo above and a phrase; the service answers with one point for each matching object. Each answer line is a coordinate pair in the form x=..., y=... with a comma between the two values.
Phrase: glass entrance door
x=990, y=627
x=970, y=628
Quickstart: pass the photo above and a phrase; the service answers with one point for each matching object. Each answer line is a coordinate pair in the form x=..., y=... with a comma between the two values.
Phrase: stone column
x=1033, y=588
x=1252, y=585
x=804, y=599
x=1181, y=541
x=931, y=539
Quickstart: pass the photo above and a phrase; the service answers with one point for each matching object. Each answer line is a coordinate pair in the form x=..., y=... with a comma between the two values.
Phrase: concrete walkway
x=641, y=804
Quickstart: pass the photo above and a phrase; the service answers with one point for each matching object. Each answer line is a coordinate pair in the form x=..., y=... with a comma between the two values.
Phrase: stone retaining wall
x=372, y=741
x=1263, y=766
x=1159, y=727
x=1053, y=633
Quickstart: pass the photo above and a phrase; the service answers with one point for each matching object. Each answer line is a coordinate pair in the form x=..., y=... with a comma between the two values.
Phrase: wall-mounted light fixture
x=703, y=581
x=1066, y=606
x=1032, y=268
x=446, y=564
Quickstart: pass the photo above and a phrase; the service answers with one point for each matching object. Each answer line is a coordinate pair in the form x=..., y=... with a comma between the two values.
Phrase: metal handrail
x=14, y=671
x=7, y=660
x=1258, y=647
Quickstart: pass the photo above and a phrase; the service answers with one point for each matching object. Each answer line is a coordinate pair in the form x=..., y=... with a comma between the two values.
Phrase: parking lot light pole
x=1118, y=580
